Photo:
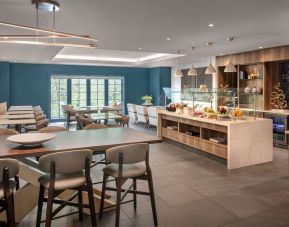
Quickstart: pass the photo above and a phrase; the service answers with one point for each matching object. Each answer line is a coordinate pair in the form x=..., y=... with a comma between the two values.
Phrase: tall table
x=26, y=197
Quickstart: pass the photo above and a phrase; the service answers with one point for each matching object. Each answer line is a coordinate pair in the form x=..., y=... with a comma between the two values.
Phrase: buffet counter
x=240, y=142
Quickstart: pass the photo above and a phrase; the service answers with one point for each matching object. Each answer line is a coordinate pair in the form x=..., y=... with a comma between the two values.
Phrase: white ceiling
x=126, y=25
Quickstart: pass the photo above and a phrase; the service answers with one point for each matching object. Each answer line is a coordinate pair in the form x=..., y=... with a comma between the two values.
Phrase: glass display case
x=228, y=97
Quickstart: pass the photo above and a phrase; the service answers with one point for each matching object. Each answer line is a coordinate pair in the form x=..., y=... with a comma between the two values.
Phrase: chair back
x=131, y=107
x=8, y=132
x=142, y=110
x=63, y=107
x=42, y=124
x=3, y=107
x=66, y=162
x=37, y=108
x=52, y=129
x=84, y=121
x=133, y=153
x=94, y=126
x=13, y=167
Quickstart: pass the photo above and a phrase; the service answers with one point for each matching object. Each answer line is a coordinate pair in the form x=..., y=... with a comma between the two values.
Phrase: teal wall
x=159, y=77
x=29, y=84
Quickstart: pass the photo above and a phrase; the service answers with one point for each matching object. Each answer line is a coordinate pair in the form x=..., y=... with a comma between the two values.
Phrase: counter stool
x=126, y=164
x=65, y=170
x=8, y=168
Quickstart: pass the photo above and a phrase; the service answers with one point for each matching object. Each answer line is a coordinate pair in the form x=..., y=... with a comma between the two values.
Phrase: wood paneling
x=257, y=56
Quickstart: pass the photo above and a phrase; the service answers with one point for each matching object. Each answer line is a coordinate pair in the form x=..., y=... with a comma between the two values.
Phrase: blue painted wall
x=159, y=77
x=4, y=82
x=29, y=84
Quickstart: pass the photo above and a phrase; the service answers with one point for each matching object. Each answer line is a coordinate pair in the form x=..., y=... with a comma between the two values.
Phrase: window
x=97, y=94
x=78, y=92
x=83, y=91
x=58, y=96
x=114, y=90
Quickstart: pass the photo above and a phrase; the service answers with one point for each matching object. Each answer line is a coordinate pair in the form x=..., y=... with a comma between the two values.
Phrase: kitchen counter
x=247, y=142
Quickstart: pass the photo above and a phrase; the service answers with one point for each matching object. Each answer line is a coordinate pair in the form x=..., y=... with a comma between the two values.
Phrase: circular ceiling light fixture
x=46, y=5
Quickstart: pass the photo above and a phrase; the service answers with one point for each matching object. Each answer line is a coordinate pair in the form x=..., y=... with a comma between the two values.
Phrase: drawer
x=215, y=127
x=190, y=122
x=170, y=118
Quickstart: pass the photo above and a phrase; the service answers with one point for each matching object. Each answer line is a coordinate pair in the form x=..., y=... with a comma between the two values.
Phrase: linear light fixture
x=112, y=59
x=50, y=6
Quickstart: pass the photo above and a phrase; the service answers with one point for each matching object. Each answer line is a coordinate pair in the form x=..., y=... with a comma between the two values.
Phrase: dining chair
x=83, y=121
x=39, y=125
x=123, y=120
x=126, y=163
x=8, y=132
x=62, y=175
x=69, y=114
x=9, y=168
x=37, y=108
x=11, y=132
x=52, y=129
x=3, y=107
x=94, y=126
x=142, y=115
x=131, y=108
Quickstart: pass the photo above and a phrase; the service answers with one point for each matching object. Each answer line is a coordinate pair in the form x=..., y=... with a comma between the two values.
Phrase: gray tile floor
x=194, y=191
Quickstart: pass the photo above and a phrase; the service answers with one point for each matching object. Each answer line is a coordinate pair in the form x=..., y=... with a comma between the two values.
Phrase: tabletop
x=17, y=116
x=19, y=108
x=20, y=112
x=98, y=140
x=17, y=121
x=103, y=116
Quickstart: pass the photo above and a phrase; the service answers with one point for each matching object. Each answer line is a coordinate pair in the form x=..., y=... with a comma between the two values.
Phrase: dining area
x=48, y=165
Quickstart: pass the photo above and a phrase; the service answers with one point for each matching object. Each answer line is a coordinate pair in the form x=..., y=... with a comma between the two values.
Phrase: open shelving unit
x=202, y=132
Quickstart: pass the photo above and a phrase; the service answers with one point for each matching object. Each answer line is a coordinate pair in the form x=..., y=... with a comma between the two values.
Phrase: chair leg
x=10, y=211
x=91, y=203
x=134, y=195
x=102, y=196
x=152, y=196
x=49, y=208
x=17, y=182
x=40, y=205
x=118, y=202
x=80, y=203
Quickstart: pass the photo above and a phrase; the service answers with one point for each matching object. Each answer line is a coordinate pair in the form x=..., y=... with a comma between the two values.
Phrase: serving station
x=242, y=143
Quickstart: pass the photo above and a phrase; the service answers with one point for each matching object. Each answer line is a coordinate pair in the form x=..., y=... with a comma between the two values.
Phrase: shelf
x=251, y=79
x=224, y=145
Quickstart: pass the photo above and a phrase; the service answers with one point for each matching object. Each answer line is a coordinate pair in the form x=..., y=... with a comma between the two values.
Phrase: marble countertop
x=213, y=121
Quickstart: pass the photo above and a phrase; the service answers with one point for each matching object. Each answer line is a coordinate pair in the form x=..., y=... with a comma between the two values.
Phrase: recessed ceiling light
x=260, y=47
x=140, y=48
x=211, y=25
x=168, y=39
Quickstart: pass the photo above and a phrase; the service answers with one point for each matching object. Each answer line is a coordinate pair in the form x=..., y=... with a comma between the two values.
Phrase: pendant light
x=178, y=72
x=210, y=69
x=230, y=68
x=193, y=70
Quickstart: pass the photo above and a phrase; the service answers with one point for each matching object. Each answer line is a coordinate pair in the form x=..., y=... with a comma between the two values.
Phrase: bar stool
x=8, y=168
x=65, y=170
x=126, y=164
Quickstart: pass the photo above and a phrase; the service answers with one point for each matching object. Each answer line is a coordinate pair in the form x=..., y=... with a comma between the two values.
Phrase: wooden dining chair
x=9, y=168
x=39, y=125
x=8, y=132
x=52, y=129
x=84, y=121
x=11, y=132
x=126, y=163
x=62, y=175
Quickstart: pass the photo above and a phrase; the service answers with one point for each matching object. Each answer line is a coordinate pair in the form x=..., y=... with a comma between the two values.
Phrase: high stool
x=8, y=168
x=126, y=164
x=65, y=170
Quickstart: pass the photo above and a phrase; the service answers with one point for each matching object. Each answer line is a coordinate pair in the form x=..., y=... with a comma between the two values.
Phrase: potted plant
x=147, y=99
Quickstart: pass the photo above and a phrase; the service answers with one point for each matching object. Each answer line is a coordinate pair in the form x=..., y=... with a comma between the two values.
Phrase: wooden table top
x=17, y=121
x=19, y=108
x=99, y=140
x=17, y=116
x=102, y=116
x=20, y=112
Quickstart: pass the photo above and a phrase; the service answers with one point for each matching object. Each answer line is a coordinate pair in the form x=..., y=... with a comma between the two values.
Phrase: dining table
x=97, y=117
x=18, y=112
x=17, y=116
x=20, y=108
x=98, y=140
